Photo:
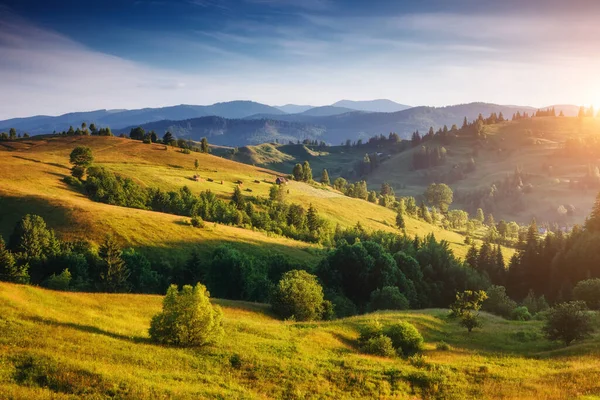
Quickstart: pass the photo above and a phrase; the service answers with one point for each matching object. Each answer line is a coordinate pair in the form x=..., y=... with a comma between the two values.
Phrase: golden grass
x=96, y=346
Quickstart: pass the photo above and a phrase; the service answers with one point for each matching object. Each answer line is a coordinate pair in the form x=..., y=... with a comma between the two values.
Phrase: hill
x=33, y=183
x=293, y=108
x=380, y=105
x=326, y=111
x=59, y=345
x=117, y=119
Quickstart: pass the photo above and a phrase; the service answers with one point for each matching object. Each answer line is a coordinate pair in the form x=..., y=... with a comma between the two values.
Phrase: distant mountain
x=293, y=108
x=380, y=105
x=236, y=132
x=117, y=119
x=326, y=111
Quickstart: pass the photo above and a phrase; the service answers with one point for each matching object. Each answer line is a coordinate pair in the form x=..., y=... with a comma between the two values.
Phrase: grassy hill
x=32, y=183
x=530, y=145
x=60, y=345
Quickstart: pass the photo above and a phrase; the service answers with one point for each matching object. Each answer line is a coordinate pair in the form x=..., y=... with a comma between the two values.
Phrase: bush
x=568, y=322
x=379, y=346
x=60, y=282
x=78, y=171
x=442, y=346
x=235, y=361
x=406, y=339
x=197, y=222
x=72, y=181
x=370, y=330
x=498, y=302
x=470, y=321
x=298, y=295
x=187, y=318
x=589, y=292
x=520, y=314
x=388, y=298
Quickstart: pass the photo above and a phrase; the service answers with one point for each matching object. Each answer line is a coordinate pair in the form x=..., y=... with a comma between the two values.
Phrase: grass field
x=59, y=345
x=32, y=183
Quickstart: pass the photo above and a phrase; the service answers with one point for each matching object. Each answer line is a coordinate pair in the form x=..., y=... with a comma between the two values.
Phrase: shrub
x=520, y=314
x=589, y=292
x=568, y=322
x=470, y=321
x=60, y=282
x=498, y=301
x=298, y=294
x=197, y=222
x=371, y=330
x=388, y=298
x=235, y=361
x=379, y=346
x=188, y=318
x=442, y=346
x=78, y=171
x=406, y=339
x=72, y=181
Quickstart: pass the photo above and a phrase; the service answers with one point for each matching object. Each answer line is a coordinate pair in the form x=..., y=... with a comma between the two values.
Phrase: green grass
x=32, y=183
x=57, y=345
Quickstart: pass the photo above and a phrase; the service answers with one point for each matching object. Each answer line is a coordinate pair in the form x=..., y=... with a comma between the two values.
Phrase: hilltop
x=57, y=345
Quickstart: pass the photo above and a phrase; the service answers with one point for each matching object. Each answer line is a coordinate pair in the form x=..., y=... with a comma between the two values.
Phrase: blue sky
x=60, y=56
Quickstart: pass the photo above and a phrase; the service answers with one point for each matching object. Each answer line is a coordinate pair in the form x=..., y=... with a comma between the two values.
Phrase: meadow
x=61, y=345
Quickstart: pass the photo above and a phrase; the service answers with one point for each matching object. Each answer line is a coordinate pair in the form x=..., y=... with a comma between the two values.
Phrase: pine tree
x=306, y=172
x=479, y=216
x=592, y=224
x=472, y=256
x=237, y=199
x=9, y=270
x=325, y=178
x=490, y=221
x=298, y=173
x=204, y=146
x=114, y=272
x=400, y=221
x=312, y=219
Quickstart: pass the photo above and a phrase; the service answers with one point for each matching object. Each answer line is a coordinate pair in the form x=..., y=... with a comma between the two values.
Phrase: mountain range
x=239, y=123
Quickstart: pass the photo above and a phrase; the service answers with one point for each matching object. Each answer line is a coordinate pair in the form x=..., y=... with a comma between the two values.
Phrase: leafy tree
x=59, y=282
x=467, y=306
x=204, y=148
x=168, y=138
x=306, y=172
x=298, y=295
x=388, y=298
x=439, y=195
x=373, y=197
x=568, y=322
x=153, y=137
x=588, y=291
x=81, y=156
x=137, y=133
x=298, y=172
x=406, y=339
x=520, y=314
x=339, y=184
x=325, y=178
x=32, y=239
x=78, y=172
x=277, y=193
x=188, y=318
x=498, y=301
x=113, y=271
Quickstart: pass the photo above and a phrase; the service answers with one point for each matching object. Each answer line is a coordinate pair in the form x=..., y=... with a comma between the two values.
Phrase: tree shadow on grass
x=90, y=329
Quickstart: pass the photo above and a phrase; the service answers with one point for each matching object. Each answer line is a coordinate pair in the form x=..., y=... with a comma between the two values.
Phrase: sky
x=71, y=55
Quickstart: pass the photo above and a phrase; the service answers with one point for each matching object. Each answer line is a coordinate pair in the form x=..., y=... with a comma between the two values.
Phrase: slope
x=33, y=183
x=60, y=345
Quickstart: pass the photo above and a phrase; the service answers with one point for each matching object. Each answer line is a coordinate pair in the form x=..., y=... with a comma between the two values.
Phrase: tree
x=153, y=137
x=12, y=133
x=298, y=295
x=298, y=172
x=388, y=298
x=9, y=270
x=588, y=291
x=137, y=133
x=467, y=306
x=277, y=193
x=32, y=239
x=113, y=271
x=78, y=172
x=400, y=221
x=568, y=322
x=238, y=199
x=196, y=164
x=168, y=138
x=479, y=216
x=313, y=221
x=204, y=148
x=593, y=221
x=386, y=189
x=325, y=178
x=439, y=195
x=81, y=156
x=188, y=318
x=340, y=184
x=306, y=172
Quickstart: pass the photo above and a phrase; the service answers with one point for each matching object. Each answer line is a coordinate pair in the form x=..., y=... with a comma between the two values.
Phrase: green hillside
x=60, y=345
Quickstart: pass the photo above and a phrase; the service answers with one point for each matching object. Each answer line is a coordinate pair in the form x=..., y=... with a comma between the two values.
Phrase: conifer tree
x=592, y=223
x=114, y=272
x=238, y=199
x=325, y=178
x=400, y=221
x=298, y=172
